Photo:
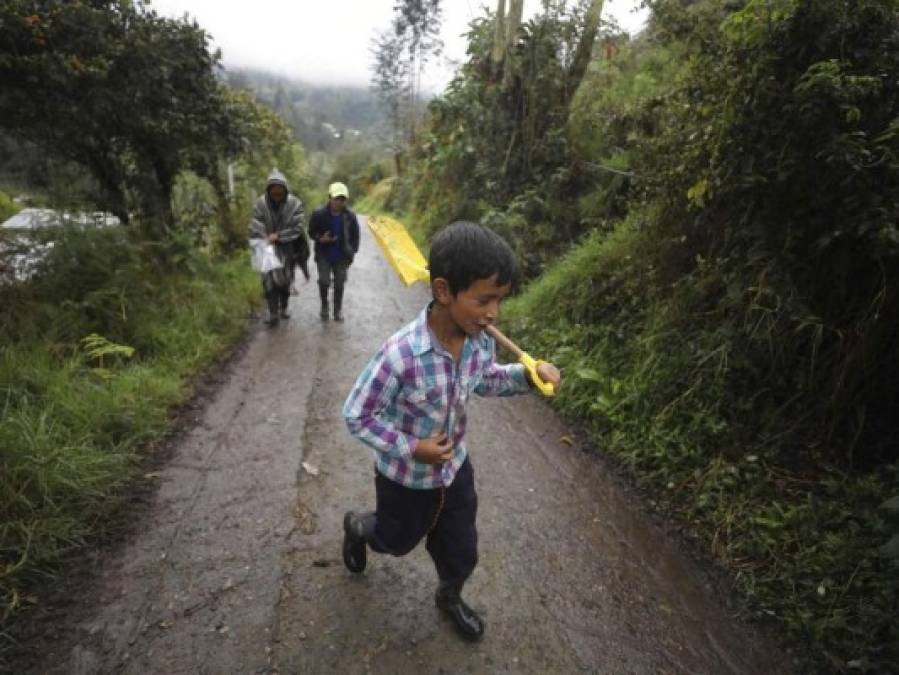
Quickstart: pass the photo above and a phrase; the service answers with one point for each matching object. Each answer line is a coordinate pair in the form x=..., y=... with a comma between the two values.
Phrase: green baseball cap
x=338, y=190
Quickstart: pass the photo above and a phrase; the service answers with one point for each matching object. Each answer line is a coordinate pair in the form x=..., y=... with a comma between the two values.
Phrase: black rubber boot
x=354, y=556
x=323, y=294
x=338, y=303
x=285, y=298
x=467, y=622
x=272, y=319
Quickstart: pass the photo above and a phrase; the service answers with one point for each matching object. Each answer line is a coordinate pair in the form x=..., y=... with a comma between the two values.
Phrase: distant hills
x=321, y=116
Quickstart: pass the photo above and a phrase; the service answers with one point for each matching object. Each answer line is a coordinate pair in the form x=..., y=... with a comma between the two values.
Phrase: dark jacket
x=320, y=222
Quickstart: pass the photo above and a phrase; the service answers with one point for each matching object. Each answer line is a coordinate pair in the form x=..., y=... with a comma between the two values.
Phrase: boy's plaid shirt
x=412, y=388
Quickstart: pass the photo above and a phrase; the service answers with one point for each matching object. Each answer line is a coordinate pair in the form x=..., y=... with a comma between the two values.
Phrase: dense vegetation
x=710, y=223
x=134, y=135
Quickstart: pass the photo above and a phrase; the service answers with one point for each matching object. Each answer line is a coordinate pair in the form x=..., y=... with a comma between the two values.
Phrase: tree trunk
x=516, y=7
x=499, y=39
x=103, y=167
x=584, y=50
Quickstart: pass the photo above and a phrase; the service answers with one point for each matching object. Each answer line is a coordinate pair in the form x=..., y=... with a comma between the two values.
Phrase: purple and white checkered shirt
x=413, y=388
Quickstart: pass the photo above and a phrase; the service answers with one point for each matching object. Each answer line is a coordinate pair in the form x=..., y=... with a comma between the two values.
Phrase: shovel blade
x=400, y=250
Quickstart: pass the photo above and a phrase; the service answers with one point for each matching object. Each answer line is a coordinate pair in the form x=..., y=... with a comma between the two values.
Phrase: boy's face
x=477, y=306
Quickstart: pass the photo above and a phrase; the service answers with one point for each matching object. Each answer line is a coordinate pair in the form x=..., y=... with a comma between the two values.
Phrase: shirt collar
x=421, y=341
x=424, y=341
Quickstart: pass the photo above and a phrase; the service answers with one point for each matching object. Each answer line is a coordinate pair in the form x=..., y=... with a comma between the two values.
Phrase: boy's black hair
x=464, y=252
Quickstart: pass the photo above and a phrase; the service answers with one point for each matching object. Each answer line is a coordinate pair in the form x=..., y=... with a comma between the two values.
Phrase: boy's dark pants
x=404, y=516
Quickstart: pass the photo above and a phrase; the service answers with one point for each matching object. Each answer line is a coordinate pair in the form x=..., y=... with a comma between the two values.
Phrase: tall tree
x=512, y=24
x=584, y=50
x=129, y=95
x=417, y=24
x=499, y=37
x=400, y=56
x=505, y=34
x=389, y=80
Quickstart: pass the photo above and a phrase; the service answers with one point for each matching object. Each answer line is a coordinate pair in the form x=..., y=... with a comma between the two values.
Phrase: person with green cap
x=335, y=230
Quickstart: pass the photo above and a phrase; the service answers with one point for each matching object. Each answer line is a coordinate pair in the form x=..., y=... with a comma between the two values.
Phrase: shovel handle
x=504, y=342
x=524, y=359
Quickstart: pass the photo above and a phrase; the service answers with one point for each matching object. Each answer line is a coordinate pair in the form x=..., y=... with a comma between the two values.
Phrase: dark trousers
x=327, y=269
x=276, y=296
x=276, y=285
x=444, y=516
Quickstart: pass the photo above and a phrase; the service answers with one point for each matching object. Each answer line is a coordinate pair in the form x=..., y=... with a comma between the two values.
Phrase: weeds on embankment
x=95, y=351
x=670, y=388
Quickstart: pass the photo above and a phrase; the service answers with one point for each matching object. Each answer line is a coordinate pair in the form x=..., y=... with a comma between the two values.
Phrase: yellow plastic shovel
x=404, y=257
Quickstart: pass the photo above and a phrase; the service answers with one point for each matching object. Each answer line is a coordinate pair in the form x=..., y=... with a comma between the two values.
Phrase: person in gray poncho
x=278, y=218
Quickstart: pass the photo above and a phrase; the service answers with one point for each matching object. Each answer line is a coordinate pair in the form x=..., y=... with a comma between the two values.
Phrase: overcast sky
x=329, y=42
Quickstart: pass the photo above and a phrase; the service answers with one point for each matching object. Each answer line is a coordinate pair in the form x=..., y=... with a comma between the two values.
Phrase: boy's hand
x=549, y=373
x=434, y=450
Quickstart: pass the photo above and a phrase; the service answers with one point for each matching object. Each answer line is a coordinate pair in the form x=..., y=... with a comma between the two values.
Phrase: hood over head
x=276, y=178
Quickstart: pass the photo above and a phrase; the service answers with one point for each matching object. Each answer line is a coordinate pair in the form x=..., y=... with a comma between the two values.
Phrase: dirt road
x=237, y=567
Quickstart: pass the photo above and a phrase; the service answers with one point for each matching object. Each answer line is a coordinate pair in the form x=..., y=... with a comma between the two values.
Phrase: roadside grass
x=8, y=208
x=377, y=199
x=78, y=415
x=660, y=385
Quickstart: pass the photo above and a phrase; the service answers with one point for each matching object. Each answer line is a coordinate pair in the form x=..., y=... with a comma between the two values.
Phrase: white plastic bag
x=264, y=258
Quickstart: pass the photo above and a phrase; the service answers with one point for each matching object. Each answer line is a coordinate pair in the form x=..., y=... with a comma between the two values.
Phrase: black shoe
x=467, y=622
x=285, y=314
x=323, y=295
x=353, y=543
x=338, y=303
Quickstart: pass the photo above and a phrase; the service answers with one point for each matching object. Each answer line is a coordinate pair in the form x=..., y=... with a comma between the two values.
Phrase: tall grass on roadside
x=379, y=197
x=78, y=416
x=667, y=383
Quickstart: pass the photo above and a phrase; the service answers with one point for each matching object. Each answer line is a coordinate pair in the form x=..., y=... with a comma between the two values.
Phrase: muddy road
x=236, y=568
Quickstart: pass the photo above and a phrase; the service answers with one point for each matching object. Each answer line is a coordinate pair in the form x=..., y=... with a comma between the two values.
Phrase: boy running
x=409, y=404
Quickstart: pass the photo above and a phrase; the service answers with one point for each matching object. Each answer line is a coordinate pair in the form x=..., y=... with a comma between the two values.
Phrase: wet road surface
x=236, y=567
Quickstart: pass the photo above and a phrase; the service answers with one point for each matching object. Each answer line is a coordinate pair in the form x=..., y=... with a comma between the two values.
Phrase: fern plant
x=98, y=348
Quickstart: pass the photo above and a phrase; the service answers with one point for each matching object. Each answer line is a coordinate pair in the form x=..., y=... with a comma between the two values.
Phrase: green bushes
x=77, y=415
x=659, y=380
x=728, y=186
x=732, y=342
x=777, y=165
x=379, y=198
